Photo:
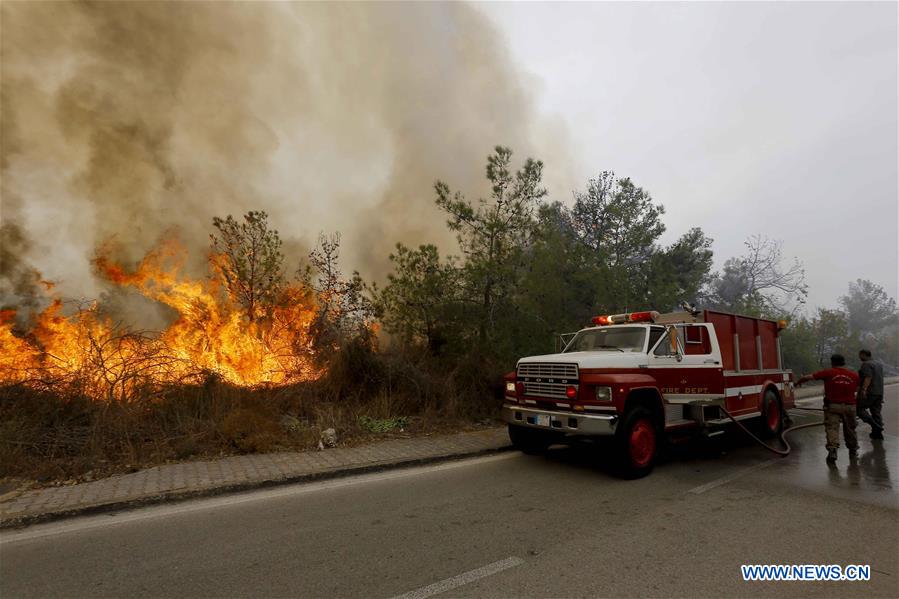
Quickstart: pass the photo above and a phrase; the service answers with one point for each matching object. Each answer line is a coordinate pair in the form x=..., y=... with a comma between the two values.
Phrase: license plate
x=542, y=420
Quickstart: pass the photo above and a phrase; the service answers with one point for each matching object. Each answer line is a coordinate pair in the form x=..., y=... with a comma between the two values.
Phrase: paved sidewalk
x=192, y=479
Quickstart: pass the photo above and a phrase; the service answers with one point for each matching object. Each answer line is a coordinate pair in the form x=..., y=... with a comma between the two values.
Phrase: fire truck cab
x=643, y=376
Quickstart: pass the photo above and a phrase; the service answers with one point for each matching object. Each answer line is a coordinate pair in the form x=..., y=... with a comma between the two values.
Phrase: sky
x=748, y=118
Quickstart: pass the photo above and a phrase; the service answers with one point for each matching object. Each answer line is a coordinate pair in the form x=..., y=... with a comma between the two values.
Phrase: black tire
x=772, y=422
x=637, y=442
x=531, y=441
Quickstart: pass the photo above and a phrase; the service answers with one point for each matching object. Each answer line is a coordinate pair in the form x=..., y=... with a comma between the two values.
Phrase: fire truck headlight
x=603, y=394
x=510, y=387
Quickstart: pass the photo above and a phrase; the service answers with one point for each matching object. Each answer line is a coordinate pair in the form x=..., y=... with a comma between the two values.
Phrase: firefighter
x=840, y=385
x=870, y=393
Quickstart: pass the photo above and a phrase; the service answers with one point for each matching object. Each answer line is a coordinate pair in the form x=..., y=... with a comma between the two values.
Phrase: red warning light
x=648, y=316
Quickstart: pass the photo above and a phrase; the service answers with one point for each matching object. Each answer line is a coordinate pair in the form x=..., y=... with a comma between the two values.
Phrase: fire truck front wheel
x=528, y=440
x=637, y=444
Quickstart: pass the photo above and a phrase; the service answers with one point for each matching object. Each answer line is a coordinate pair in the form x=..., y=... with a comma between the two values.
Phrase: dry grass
x=58, y=434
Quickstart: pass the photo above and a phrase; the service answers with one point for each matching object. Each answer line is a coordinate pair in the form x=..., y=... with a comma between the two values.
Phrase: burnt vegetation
x=422, y=351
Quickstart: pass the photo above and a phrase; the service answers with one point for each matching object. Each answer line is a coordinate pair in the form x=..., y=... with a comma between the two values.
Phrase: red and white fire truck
x=643, y=376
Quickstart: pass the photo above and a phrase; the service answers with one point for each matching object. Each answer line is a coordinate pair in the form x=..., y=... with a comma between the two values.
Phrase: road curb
x=185, y=495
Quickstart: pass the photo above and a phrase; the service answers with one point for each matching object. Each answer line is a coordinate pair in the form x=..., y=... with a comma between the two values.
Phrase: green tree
x=798, y=346
x=617, y=219
x=559, y=286
x=343, y=308
x=249, y=260
x=869, y=309
x=493, y=233
x=620, y=224
x=677, y=273
x=831, y=335
x=419, y=302
x=872, y=319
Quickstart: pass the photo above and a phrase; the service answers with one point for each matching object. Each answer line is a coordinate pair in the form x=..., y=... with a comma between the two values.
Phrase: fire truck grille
x=547, y=380
x=548, y=371
x=545, y=390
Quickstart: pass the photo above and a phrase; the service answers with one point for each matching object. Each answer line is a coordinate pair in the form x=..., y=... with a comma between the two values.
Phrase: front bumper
x=561, y=422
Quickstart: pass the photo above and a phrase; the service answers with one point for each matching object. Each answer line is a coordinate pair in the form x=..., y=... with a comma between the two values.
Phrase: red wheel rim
x=642, y=443
x=773, y=415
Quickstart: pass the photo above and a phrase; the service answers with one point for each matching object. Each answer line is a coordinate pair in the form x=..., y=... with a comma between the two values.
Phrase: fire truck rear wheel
x=772, y=414
x=637, y=444
x=528, y=440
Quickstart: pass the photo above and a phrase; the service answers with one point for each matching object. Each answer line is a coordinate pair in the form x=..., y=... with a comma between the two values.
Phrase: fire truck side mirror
x=672, y=339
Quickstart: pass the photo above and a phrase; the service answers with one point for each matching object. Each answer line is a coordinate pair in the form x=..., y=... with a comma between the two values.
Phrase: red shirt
x=839, y=384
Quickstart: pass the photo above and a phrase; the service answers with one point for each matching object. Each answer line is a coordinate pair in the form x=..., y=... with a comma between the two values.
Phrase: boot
x=831, y=455
x=876, y=434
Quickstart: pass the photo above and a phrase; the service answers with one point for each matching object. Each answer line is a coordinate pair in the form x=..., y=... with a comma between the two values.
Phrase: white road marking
x=82, y=523
x=730, y=477
x=460, y=579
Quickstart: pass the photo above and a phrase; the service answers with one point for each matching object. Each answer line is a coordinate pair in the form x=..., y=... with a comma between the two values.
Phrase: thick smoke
x=125, y=120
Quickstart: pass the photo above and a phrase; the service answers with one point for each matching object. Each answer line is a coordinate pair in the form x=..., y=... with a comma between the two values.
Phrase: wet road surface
x=501, y=526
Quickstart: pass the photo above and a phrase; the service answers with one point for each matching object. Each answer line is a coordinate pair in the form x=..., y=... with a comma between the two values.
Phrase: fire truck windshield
x=621, y=339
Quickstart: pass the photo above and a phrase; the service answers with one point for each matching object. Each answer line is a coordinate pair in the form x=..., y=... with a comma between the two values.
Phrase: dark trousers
x=869, y=410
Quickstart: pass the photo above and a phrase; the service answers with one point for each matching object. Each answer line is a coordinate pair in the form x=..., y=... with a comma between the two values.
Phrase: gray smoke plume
x=125, y=120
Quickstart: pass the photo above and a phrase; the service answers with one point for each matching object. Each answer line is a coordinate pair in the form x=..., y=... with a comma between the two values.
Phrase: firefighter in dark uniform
x=840, y=387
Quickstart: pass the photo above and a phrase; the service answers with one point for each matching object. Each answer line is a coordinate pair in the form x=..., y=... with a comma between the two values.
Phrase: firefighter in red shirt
x=840, y=385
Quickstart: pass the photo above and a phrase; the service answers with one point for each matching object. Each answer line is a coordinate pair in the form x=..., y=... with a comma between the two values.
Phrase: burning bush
x=82, y=350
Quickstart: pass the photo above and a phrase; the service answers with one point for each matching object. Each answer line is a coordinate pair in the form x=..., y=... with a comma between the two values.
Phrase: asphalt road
x=501, y=526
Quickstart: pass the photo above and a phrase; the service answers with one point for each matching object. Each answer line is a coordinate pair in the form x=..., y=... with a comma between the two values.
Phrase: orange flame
x=211, y=334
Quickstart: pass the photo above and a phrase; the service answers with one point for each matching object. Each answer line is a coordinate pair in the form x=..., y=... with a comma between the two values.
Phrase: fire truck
x=640, y=378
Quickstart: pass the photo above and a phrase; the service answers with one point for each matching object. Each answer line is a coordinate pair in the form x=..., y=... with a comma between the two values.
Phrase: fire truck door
x=665, y=361
x=686, y=364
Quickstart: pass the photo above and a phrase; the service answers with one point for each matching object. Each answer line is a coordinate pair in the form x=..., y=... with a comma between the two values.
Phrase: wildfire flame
x=210, y=335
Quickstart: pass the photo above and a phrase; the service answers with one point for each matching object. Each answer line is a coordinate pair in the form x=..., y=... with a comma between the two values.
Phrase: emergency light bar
x=648, y=316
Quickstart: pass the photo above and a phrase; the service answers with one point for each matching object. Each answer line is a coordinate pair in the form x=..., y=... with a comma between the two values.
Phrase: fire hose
x=783, y=433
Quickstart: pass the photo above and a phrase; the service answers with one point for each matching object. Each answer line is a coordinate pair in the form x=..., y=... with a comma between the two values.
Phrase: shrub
x=382, y=425
x=250, y=430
